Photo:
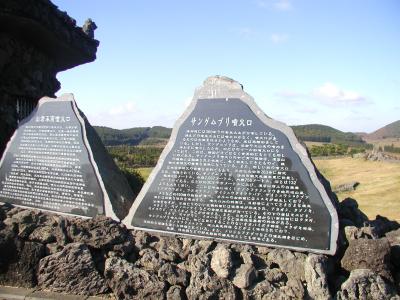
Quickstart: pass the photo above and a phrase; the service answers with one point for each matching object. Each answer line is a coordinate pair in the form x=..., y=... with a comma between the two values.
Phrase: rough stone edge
x=69, y=98
x=7, y=292
x=217, y=90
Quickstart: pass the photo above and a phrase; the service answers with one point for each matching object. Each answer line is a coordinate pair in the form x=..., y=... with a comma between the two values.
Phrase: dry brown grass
x=379, y=189
x=385, y=142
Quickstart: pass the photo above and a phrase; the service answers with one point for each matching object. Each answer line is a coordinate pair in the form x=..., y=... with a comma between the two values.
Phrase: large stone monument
x=55, y=161
x=231, y=173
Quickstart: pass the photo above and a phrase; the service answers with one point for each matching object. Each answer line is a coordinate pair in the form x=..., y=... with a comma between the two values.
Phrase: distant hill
x=391, y=130
x=159, y=135
x=133, y=136
x=361, y=134
x=326, y=134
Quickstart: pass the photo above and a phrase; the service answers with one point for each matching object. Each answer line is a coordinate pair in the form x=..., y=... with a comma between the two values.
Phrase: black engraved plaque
x=227, y=174
x=47, y=164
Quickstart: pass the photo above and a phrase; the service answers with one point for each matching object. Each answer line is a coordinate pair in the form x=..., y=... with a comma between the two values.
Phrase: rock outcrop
x=99, y=256
x=37, y=41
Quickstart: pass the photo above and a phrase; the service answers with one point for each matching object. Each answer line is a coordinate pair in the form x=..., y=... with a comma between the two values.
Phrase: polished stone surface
x=231, y=173
x=50, y=163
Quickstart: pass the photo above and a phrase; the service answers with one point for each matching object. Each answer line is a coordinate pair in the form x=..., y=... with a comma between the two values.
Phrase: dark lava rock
x=394, y=240
x=365, y=284
x=221, y=261
x=176, y=292
x=171, y=247
x=173, y=275
x=383, y=225
x=204, y=284
x=19, y=261
x=393, y=237
x=244, y=276
x=71, y=271
x=348, y=209
x=316, y=273
x=130, y=282
x=346, y=187
x=367, y=232
x=149, y=260
x=258, y=291
x=291, y=263
x=100, y=232
x=368, y=254
x=51, y=230
x=292, y=290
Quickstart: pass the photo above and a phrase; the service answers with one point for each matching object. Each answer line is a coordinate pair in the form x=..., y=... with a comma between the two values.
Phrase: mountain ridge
x=159, y=135
x=391, y=130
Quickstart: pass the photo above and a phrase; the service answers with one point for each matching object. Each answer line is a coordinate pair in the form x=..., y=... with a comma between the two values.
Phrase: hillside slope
x=323, y=133
x=391, y=130
x=132, y=136
x=159, y=134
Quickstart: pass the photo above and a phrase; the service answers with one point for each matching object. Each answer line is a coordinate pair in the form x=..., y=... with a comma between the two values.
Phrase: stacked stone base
x=100, y=256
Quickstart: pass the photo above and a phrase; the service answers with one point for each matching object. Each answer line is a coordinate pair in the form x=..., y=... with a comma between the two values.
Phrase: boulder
x=293, y=290
x=100, y=232
x=275, y=276
x=367, y=232
x=175, y=292
x=130, y=282
x=259, y=290
x=345, y=187
x=202, y=246
x=394, y=240
x=203, y=283
x=170, y=248
x=173, y=275
x=365, y=284
x=244, y=276
x=221, y=262
x=19, y=261
x=368, y=254
x=316, y=273
x=348, y=209
x=71, y=271
x=393, y=237
x=291, y=263
x=383, y=225
x=149, y=260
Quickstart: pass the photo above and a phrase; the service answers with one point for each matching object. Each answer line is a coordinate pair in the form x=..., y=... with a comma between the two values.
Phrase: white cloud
x=281, y=5
x=279, y=38
x=333, y=94
x=124, y=108
x=327, y=94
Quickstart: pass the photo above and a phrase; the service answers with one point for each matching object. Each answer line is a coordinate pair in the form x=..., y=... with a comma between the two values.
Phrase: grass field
x=144, y=172
x=379, y=189
x=385, y=142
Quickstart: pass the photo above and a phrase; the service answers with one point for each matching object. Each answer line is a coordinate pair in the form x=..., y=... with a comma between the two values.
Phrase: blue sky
x=330, y=62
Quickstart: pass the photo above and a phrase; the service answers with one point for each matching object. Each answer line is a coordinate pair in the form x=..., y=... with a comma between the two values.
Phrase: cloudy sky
x=330, y=62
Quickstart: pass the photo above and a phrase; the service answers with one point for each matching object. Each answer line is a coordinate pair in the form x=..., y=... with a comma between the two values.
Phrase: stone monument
x=55, y=161
x=231, y=173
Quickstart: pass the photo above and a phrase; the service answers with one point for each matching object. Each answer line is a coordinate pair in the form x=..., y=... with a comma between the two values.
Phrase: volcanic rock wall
x=100, y=256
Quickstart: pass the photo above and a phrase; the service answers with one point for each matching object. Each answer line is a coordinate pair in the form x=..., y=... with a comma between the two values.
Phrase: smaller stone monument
x=55, y=161
x=231, y=173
